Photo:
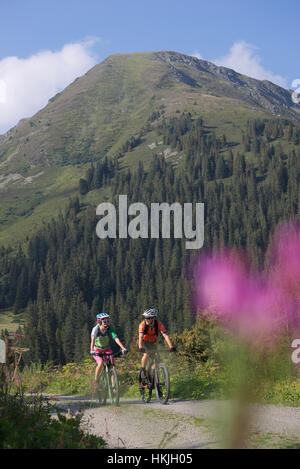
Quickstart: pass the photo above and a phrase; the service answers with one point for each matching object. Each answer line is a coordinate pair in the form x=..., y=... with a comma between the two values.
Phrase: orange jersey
x=151, y=336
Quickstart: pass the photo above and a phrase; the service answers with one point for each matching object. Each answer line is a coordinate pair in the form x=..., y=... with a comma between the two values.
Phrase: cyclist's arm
x=167, y=339
x=117, y=340
x=92, y=343
x=141, y=336
x=115, y=337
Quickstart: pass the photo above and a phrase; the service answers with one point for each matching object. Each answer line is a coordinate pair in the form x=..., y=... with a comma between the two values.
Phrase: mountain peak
x=94, y=114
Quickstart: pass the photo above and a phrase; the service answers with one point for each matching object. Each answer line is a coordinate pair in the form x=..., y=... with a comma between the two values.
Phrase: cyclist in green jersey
x=100, y=341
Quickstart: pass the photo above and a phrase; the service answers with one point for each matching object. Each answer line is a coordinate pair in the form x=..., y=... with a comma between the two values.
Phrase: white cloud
x=197, y=55
x=27, y=84
x=243, y=59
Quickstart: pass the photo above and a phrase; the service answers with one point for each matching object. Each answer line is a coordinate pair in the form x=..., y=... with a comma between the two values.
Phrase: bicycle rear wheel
x=145, y=388
x=114, y=389
x=162, y=383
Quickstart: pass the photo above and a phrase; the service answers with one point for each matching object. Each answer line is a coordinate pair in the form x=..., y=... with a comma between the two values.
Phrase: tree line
x=65, y=274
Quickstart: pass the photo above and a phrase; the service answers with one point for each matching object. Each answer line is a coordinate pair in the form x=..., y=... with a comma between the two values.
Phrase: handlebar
x=106, y=355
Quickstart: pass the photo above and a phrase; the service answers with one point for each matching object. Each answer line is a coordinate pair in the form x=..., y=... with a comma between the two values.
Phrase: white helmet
x=150, y=313
x=101, y=316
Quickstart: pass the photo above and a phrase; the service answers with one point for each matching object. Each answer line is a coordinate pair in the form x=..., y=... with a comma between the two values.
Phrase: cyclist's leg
x=99, y=366
x=98, y=370
x=149, y=347
x=144, y=365
x=144, y=361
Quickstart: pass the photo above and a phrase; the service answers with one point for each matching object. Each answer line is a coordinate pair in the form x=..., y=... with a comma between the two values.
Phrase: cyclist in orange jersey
x=149, y=329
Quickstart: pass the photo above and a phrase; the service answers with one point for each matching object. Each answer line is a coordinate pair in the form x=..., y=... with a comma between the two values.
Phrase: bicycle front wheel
x=101, y=391
x=114, y=389
x=162, y=383
x=145, y=388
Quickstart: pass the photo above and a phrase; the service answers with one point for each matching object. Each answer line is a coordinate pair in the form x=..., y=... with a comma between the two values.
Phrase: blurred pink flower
x=257, y=305
x=222, y=283
x=284, y=259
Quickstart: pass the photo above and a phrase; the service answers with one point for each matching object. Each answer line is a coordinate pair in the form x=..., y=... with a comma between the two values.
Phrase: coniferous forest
x=64, y=274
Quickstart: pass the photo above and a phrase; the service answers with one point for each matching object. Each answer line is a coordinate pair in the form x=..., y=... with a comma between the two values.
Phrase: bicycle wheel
x=162, y=383
x=101, y=390
x=114, y=389
x=145, y=388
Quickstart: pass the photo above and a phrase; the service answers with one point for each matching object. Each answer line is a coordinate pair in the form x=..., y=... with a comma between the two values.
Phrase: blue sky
x=45, y=45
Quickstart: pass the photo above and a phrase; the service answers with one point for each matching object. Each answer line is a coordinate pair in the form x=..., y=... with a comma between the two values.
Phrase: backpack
x=155, y=325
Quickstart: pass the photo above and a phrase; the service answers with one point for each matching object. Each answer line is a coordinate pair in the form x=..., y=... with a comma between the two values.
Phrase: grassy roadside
x=208, y=365
x=26, y=423
x=196, y=381
x=189, y=380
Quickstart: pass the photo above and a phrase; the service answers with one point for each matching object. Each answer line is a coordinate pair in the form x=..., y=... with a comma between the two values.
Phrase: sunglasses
x=105, y=321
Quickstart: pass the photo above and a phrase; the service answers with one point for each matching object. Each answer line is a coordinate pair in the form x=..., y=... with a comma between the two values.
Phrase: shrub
x=26, y=423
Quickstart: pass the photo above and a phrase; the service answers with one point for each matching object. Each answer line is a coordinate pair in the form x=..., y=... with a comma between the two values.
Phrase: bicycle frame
x=105, y=369
x=107, y=357
x=107, y=366
x=153, y=366
x=153, y=360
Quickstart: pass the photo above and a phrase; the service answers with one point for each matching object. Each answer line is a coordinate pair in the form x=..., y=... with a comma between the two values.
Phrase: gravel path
x=183, y=424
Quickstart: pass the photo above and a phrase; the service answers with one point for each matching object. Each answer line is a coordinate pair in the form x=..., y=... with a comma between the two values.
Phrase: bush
x=197, y=342
x=26, y=423
x=287, y=393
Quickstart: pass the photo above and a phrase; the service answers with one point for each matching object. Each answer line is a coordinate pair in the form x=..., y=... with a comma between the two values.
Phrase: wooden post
x=13, y=355
x=18, y=351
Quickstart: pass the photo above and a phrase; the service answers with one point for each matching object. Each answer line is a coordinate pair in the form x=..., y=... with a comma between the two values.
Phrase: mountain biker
x=100, y=341
x=148, y=334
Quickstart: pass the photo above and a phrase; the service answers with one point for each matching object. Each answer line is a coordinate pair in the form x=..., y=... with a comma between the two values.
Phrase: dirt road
x=183, y=424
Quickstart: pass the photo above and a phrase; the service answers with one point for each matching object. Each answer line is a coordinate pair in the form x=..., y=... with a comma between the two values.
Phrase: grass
x=25, y=207
x=274, y=440
x=285, y=392
x=10, y=321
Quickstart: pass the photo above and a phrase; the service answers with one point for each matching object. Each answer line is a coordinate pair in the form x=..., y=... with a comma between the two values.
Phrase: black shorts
x=149, y=346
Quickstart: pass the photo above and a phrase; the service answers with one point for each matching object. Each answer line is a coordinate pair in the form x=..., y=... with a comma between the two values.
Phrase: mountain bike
x=157, y=378
x=108, y=384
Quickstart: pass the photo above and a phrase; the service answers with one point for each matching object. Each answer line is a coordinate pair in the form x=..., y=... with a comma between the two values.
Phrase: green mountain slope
x=42, y=158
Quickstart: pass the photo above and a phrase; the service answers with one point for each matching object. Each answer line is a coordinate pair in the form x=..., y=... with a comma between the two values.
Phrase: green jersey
x=102, y=339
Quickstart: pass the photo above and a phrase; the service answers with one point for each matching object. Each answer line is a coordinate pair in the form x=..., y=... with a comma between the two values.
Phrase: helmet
x=150, y=313
x=101, y=316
